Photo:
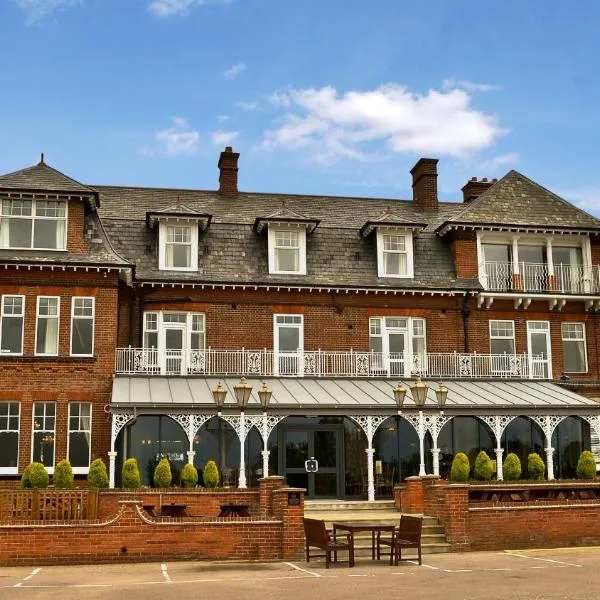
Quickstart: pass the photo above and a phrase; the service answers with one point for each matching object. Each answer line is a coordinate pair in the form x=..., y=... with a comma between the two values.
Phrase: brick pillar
x=411, y=498
x=456, y=514
x=292, y=533
x=266, y=487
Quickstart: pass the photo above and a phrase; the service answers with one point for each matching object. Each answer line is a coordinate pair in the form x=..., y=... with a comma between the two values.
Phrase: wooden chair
x=317, y=535
x=408, y=535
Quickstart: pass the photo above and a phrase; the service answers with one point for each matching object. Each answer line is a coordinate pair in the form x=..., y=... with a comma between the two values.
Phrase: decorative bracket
x=120, y=418
x=369, y=424
x=497, y=423
x=258, y=421
x=548, y=423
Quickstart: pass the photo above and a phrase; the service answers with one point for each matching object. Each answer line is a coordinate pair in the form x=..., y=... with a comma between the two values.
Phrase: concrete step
x=347, y=505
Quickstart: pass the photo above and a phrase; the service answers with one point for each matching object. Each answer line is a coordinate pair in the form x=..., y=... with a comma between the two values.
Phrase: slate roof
x=231, y=252
x=42, y=177
x=516, y=200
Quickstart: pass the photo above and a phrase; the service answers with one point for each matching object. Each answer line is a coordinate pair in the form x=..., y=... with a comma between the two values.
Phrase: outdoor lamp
x=399, y=395
x=242, y=392
x=419, y=392
x=219, y=394
x=265, y=396
x=442, y=394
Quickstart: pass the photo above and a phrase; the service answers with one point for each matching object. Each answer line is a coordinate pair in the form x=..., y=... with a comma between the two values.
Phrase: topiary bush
x=535, y=466
x=460, y=468
x=162, y=474
x=512, y=467
x=63, y=476
x=97, y=475
x=484, y=467
x=189, y=476
x=586, y=465
x=130, y=475
x=211, y=474
x=35, y=476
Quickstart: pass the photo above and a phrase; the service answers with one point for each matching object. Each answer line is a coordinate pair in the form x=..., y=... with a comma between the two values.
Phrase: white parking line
x=557, y=562
x=289, y=564
x=458, y=570
x=416, y=562
x=34, y=572
x=165, y=572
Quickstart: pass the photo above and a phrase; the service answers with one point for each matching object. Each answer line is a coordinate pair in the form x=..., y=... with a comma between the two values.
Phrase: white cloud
x=168, y=8
x=587, y=198
x=470, y=86
x=247, y=105
x=37, y=10
x=367, y=125
x=499, y=162
x=223, y=138
x=180, y=139
x=234, y=70
x=223, y=118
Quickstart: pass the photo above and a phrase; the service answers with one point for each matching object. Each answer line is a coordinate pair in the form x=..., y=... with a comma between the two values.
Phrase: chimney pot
x=424, y=184
x=473, y=178
x=474, y=188
x=228, y=172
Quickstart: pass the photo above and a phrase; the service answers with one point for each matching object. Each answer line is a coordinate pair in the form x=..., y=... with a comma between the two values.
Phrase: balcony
x=536, y=278
x=321, y=363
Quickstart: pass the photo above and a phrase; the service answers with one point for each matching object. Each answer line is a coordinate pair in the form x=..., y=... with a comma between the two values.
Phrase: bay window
x=574, y=350
x=12, y=313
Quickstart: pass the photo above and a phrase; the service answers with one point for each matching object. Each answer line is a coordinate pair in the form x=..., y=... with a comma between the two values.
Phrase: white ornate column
x=265, y=424
x=434, y=424
x=119, y=418
x=498, y=423
x=418, y=422
x=369, y=424
x=241, y=426
x=548, y=424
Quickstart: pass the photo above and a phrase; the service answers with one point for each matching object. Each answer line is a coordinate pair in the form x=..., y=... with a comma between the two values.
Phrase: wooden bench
x=317, y=536
x=408, y=535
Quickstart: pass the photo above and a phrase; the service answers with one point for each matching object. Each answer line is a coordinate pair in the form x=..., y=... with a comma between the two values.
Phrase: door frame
x=276, y=353
x=163, y=344
x=339, y=455
x=548, y=336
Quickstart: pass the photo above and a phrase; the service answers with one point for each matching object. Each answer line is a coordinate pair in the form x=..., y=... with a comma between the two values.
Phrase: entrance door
x=325, y=445
x=288, y=342
x=540, y=356
x=174, y=343
x=397, y=349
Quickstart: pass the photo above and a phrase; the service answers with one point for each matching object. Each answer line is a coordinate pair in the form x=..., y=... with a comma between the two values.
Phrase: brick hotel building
x=123, y=309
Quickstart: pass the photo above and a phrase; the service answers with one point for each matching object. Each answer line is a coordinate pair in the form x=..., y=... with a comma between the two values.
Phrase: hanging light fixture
x=242, y=392
x=419, y=392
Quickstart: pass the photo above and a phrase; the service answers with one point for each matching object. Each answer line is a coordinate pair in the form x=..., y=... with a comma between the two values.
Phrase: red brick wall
x=76, y=242
x=464, y=253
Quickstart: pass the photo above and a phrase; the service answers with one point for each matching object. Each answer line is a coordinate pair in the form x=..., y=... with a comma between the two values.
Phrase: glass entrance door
x=288, y=344
x=325, y=445
x=174, y=343
x=538, y=337
x=397, y=349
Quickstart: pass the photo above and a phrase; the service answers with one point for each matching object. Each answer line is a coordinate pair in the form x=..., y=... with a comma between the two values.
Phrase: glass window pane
x=9, y=448
x=11, y=335
x=47, y=336
x=497, y=253
x=79, y=449
x=82, y=336
x=286, y=259
x=19, y=233
x=43, y=448
x=49, y=234
x=289, y=339
x=179, y=256
x=502, y=346
x=532, y=254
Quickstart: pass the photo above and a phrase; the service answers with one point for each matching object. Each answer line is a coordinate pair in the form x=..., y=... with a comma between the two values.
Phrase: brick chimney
x=228, y=172
x=424, y=184
x=474, y=188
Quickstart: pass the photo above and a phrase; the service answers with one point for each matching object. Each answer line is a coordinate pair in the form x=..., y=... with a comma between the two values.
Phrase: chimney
x=424, y=184
x=228, y=176
x=474, y=188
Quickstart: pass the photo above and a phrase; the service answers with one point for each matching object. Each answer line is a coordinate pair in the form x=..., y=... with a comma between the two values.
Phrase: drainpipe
x=466, y=312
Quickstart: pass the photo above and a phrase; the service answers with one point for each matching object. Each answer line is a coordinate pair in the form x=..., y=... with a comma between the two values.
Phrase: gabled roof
x=516, y=201
x=43, y=178
x=178, y=211
x=388, y=219
x=285, y=215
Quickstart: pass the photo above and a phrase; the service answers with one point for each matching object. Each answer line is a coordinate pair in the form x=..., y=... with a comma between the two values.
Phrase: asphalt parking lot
x=571, y=573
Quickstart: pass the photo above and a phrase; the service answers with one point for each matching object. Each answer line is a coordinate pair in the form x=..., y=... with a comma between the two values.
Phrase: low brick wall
x=502, y=525
x=130, y=534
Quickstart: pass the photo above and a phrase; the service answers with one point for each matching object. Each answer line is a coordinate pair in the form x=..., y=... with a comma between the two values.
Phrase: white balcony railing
x=324, y=363
x=534, y=277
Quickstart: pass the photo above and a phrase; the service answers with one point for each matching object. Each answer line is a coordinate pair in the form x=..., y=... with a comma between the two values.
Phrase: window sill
x=46, y=358
x=287, y=272
x=80, y=470
x=9, y=470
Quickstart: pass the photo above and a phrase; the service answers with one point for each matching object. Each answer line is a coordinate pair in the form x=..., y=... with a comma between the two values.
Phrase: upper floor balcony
x=540, y=278
x=325, y=363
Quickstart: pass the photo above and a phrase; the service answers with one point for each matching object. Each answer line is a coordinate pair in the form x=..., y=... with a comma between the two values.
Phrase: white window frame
x=299, y=324
x=79, y=317
x=44, y=430
x=408, y=250
x=33, y=217
x=163, y=225
x=539, y=326
x=79, y=470
x=503, y=337
x=301, y=230
x=13, y=470
x=10, y=316
x=38, y=317
x=582, y=339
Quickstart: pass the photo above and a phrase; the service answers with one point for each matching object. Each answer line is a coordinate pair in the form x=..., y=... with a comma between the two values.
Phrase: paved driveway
x=572, y=573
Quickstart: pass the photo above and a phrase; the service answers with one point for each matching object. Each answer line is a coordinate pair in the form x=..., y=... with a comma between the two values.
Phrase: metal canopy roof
x=331, y=395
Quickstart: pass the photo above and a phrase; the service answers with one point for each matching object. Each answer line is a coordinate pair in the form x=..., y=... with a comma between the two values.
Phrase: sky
x=335, y=97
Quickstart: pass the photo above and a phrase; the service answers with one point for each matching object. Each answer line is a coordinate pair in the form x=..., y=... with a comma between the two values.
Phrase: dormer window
x=395, y=254
x=28, y=224
x=287, y=250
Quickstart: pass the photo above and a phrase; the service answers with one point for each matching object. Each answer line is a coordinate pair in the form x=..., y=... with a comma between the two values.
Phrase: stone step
x=347, y=505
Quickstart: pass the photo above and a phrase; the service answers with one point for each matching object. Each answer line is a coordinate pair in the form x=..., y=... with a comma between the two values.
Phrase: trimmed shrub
x=460, y=468
x=484, y=467
x=512, y=467
x=63, y=476
x=97, y=475
x=211, y=474
x=162, y=474
x=586, y=465
x=130, y=475
x=535, y=466
x=35, y=476
x=189, y=476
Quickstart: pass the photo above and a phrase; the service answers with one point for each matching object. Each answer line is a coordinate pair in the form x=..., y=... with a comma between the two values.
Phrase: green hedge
x=211, y=474
x=535, y=467
x=484, y=467
x=512, y=467
x=586, y=466
x=189, y=476
x=63, y=476
x=460, y=468
x=130, y=476
x=97, y=475
x=162, y=474
x=35, y=476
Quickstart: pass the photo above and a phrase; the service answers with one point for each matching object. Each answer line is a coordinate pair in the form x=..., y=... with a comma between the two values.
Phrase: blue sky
x=319, y=96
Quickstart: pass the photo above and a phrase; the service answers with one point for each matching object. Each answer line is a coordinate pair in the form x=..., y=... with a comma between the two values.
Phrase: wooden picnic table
x=353, y=527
